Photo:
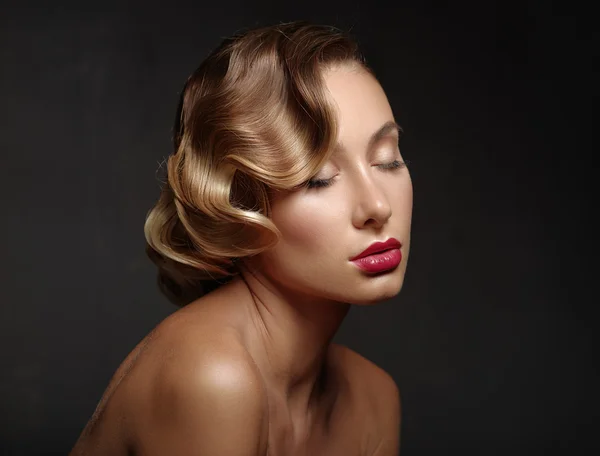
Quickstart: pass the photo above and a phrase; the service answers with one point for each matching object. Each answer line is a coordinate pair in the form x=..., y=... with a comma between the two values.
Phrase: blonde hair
x=252, y=119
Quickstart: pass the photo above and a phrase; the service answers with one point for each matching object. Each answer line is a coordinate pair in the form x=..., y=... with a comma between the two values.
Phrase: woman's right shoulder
x=200, y=388
x=184, y=349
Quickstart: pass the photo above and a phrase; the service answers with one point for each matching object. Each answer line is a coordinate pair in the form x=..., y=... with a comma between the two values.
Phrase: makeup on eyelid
x=321, y=183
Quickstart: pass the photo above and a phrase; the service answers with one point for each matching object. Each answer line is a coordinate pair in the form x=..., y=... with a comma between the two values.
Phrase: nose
x=372, y=205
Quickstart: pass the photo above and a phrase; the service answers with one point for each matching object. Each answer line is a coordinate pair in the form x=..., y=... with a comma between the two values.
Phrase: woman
x=287, y=201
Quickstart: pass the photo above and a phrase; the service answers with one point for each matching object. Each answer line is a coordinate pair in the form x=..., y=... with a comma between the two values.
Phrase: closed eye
x=321, y=183
x=393, y=165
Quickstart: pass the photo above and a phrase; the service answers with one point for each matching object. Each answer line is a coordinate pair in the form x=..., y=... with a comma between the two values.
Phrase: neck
x=290, y=336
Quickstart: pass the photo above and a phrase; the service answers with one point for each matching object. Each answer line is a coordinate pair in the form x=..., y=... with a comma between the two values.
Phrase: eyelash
x=321, y=183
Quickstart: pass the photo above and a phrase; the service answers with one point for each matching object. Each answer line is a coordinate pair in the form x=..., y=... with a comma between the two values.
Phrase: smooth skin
x=250, y=369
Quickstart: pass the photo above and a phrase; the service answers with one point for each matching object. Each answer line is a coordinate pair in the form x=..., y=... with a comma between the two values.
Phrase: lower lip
x=379, y=262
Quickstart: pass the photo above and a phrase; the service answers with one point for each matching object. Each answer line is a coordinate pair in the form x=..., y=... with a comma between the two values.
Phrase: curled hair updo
x=254, y=118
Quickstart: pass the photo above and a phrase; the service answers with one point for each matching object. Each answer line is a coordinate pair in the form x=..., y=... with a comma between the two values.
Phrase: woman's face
x=324, y=227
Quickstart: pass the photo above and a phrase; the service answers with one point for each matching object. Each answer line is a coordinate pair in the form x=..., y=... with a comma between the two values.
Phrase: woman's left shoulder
x=379, y=395
x=369, y=383
x=362, y=371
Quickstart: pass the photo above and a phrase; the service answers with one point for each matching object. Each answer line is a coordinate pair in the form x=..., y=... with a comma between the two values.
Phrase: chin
x=380, y=288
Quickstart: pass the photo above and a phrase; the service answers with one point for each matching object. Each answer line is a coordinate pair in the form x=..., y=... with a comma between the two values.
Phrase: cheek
x=305, y=227
x=404, y=198
x=409, y=195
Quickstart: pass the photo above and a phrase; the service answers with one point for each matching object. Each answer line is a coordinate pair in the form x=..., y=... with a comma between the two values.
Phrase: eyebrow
x=383, y=131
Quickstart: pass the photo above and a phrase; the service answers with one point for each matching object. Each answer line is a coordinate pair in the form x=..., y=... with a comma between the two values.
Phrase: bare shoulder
x=201, y=393
x=209, y=397
x=190, y=386
x=363, y=371
x=381, y=399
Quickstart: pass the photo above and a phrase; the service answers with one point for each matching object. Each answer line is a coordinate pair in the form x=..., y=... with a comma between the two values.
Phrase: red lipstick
x=379, y=256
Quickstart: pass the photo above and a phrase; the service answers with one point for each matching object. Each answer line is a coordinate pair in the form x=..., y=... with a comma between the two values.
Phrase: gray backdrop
x=489, y=340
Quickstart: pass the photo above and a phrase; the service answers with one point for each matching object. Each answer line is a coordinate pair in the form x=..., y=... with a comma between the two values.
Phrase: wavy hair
x=254, y=118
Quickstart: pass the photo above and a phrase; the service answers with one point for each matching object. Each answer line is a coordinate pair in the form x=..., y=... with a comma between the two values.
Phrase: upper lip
x=377, y=247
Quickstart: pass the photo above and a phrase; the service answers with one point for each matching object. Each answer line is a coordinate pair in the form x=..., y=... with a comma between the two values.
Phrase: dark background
x=490, y=339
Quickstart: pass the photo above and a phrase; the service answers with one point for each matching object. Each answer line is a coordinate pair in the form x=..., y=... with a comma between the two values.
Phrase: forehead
x=361, y=104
